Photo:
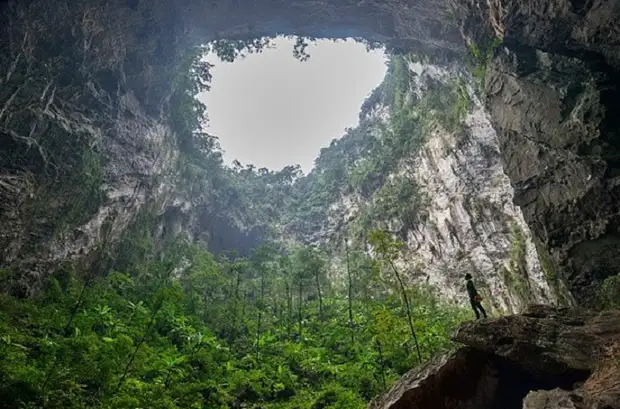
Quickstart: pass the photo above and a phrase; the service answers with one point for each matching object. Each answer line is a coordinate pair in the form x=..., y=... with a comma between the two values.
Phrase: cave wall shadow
x=514, y=383
x=473, y=379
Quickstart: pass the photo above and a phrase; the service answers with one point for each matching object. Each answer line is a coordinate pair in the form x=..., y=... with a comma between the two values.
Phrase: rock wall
x=81, y=157
x=472, y=224
x=552, y=93
x=469, y=223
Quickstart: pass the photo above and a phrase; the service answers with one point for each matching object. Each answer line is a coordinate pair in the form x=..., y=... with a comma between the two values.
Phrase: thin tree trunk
x=408, y=308
x=243, y=304
x=66, y=332
x=76, y=307
x=289, y=301
x=260, y=314
x=300, y=307
x=318, y=289
x=280, y=314
x=233, y=330
x=351, y=325
x=381, y=364
x=137, y=348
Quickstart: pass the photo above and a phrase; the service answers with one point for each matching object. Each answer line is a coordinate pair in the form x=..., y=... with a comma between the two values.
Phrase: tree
x=262, y=258
x=349, y=290
x=388, y=248
x=239, y=269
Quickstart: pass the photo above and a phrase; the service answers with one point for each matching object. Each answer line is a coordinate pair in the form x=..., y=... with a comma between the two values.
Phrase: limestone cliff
x=468, y=221
x=552, y=93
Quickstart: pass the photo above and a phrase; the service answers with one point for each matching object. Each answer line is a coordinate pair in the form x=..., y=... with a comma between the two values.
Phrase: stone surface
x=469, y=222
x=466, y=379
x=472, y=224
x=545, y=339
x=553, y=399
x=536, y=360
x=602, y=389
x=557, y=127
x=552, y=93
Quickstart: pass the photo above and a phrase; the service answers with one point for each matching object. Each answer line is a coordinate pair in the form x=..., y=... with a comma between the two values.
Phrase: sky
x=272, y=110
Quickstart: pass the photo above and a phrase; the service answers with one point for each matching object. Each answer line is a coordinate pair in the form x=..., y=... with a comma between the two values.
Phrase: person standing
x=474, y=298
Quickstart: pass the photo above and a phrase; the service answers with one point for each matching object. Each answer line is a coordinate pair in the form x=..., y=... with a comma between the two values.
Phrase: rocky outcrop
x=546, y=340
x=464, y=379
x=81, y=162
x=544, y=358
x=559, y=117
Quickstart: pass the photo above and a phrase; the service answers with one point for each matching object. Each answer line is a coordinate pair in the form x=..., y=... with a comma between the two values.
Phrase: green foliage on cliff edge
x=359, y=163
x=609, y=293
x=480, y=56
x=267, y=331
x=515, y=273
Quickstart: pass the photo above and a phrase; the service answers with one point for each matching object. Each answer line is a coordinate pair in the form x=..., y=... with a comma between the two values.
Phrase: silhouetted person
x=474, y=298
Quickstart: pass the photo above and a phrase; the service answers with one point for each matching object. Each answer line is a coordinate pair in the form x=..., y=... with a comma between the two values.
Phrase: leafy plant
x=480, y=55
x=388, y=248
x=609, y=293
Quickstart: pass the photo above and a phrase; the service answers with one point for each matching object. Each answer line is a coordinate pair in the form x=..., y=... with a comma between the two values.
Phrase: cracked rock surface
x=545, y=358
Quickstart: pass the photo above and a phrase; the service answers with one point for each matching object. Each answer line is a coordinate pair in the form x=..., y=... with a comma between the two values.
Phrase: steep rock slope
x=79, y=161
x=465, y=219
x=552, y=93
x=539, y=359
x=472, y=224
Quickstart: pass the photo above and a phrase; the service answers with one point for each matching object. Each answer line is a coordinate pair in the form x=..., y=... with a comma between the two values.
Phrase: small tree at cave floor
x=388, y=248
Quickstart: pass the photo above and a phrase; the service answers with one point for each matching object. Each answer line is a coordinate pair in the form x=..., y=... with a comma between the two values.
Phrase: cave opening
x=514, y=383
x=271, y=108
x=473, y=379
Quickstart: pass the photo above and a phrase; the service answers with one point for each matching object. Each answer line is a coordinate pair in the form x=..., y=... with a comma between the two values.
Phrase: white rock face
x=471, y=221
x=471, y=224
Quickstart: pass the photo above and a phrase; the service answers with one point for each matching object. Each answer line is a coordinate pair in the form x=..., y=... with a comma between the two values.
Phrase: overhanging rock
x=544, y=358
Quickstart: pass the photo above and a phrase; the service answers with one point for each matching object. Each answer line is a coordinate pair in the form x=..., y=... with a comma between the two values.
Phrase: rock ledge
x=545, y=358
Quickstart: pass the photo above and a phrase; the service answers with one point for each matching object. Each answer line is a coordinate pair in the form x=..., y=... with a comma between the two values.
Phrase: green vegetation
x=480, y=55
x=547, y=266
x=361, y=160
x=388, y=249
x=515, y=274
x=65, y=189
x=268, y=331
x=609, y=293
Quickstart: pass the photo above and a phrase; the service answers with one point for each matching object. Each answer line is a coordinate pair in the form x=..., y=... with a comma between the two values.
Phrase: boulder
x=553, y=399
x=545, y=358
x=546, y=340
x=465, y=379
